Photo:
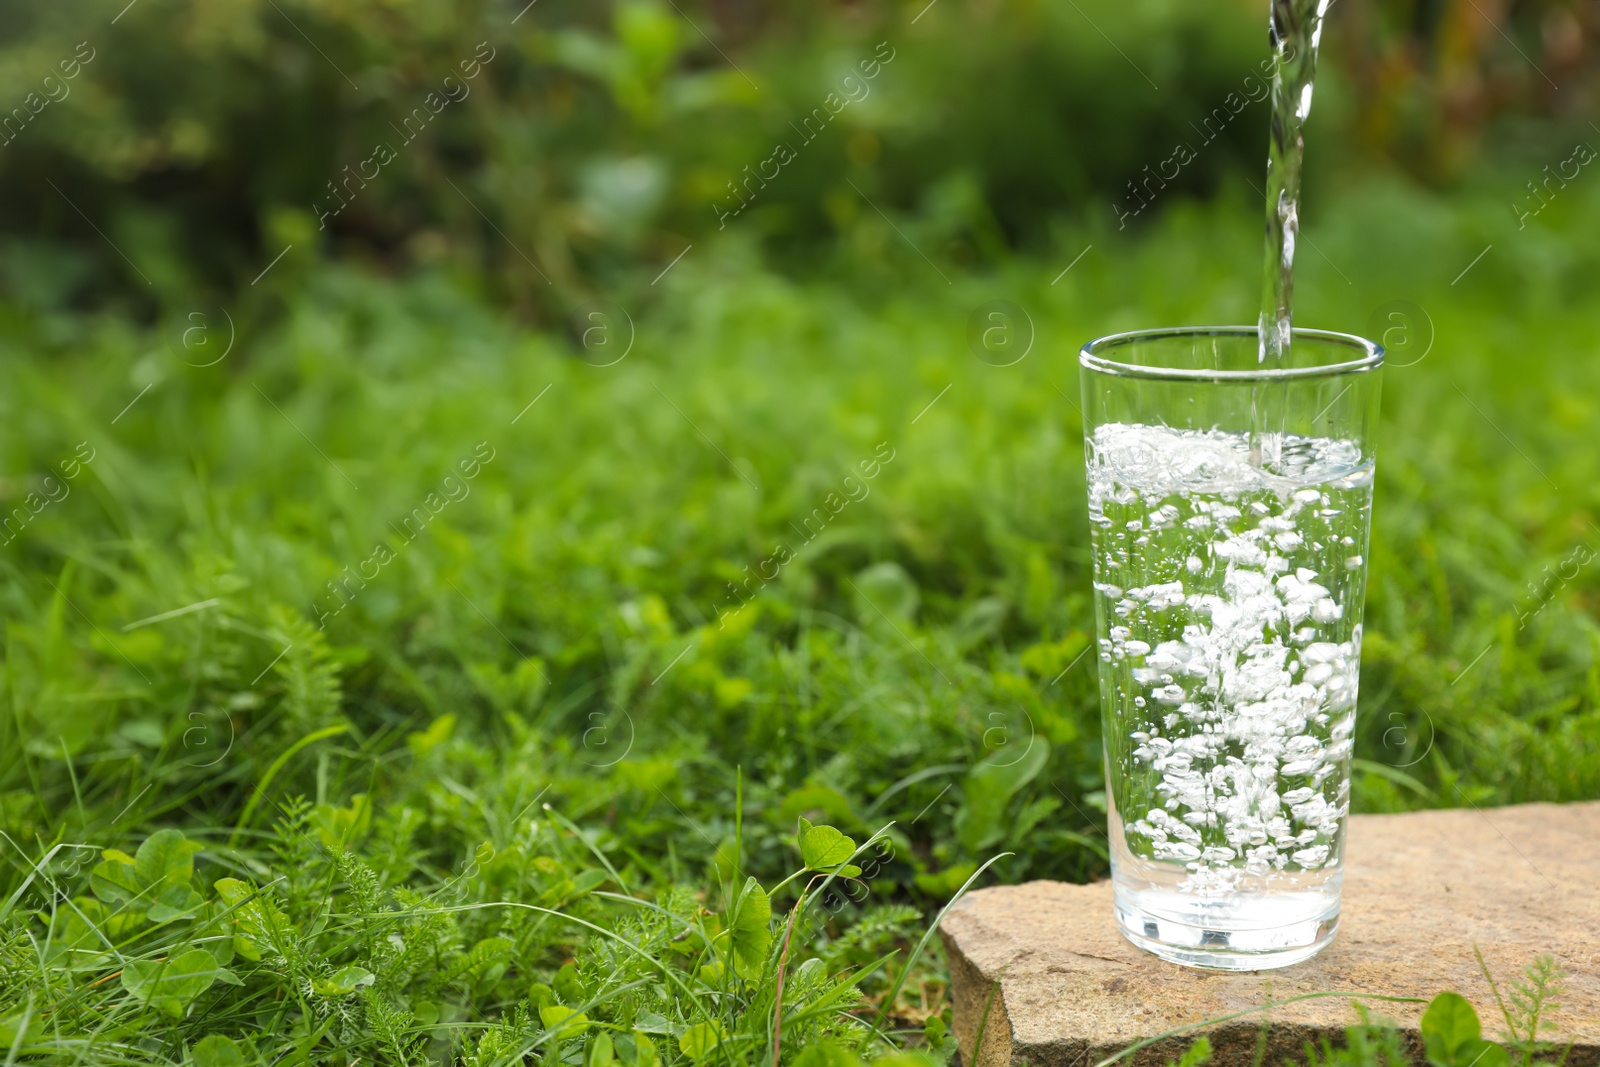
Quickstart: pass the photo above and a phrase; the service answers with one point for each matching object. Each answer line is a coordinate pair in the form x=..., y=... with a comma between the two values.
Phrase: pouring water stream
x=1295, y=29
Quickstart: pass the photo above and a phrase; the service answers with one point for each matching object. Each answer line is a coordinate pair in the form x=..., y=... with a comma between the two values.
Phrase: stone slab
x=1421, y=890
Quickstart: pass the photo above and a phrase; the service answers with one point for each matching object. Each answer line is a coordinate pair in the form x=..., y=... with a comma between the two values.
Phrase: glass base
x=1178, y=928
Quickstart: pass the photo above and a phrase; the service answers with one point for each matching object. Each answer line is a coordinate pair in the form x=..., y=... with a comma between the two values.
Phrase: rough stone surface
x=1420, y=891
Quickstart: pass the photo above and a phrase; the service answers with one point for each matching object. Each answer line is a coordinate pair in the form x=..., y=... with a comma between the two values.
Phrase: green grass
x=538, y=701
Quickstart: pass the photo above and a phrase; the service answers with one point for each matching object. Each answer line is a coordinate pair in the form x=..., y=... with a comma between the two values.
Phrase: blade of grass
x=983, y=1022
x=894, y=994
x=272, y=772
x=601, y=856
x=1398, y=777
x=22, y=1033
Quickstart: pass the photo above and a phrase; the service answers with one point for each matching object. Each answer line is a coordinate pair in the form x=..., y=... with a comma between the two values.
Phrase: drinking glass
x=1229, y=506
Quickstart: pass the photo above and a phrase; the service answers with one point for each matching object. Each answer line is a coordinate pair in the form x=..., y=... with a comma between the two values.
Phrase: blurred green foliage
x=203, y=137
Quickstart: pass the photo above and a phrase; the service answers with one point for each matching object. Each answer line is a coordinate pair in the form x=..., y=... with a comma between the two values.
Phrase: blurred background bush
x=599, y=138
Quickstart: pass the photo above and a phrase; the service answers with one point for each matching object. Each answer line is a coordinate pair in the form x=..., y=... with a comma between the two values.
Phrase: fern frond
x=312, y=690
x=482, y=955
x=391, y=1025
x=1534, y=996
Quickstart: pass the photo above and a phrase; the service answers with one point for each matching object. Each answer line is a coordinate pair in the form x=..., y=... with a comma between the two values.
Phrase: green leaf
x=438, y=732
x=645, y=1054
x=78, y=935
x=16, y=1030
x=175, y=902
x=343, y=983
x=600, y=1052
x=1196, y=1054
x=1453, y=1036
x=940, y=1044
x=158, y=876
x=166, y=858
x=750, y=931
x=567, y=986
x=650, y=1023
x=822, y=799
x=116, y=880
x=233, y=892
x=255, y=919
x=566, y=1022
x=827, y=1053
x=1483, y=1053
x=172, y=982
x=1449, y=1023
x=217, y=942
x=824, y=848
x=991, y=784
x=216, y=1051
x=698, y=1041
x=587, y=882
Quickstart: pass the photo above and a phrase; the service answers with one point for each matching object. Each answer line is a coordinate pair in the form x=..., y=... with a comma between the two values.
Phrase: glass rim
x=1090, y=355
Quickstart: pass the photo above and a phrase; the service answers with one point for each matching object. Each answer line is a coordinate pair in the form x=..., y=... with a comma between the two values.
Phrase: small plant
x=1195, y=1055
x=1526, y=1007
x=317, y=952
x=1368, y=1043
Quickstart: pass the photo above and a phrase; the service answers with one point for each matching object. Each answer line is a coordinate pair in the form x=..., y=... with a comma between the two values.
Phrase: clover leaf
x=565, y=1021
x=750, y=931
x=1453, y=1037
x=700, y=1039
x=825, y=849
x=171, y=984
x=156, y=879
x=346, y=981
x=216, y=1051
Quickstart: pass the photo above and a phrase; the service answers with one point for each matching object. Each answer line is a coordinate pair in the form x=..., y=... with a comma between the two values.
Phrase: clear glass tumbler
x=1229, y=506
